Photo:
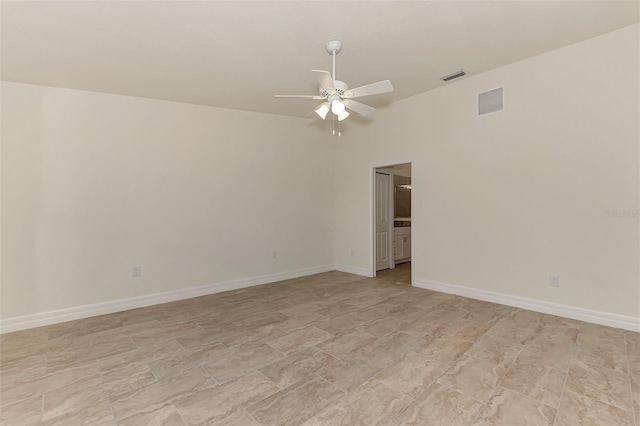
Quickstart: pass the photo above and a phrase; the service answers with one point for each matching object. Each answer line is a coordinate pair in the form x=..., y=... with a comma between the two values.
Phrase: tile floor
x=327, y=349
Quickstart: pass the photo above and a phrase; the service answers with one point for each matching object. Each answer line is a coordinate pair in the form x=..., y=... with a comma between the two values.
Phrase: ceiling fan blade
x=361, y=109
x=325, y=79
x=370, y=89
x=300, y=96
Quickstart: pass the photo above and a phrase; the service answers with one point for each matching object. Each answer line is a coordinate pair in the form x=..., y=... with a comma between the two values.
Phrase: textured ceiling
x=238, y=54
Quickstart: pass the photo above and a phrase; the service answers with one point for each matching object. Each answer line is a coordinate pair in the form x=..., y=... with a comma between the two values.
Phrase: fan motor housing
x=340, y=86
x=340, y=89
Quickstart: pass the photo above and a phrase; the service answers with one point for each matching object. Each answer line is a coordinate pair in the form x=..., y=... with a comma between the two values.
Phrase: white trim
x=573, y=312
x=79, y=312
x=372, y=223
x=353, y=270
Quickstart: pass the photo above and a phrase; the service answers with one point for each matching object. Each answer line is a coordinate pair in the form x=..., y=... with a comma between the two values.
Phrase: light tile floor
x=327, y=349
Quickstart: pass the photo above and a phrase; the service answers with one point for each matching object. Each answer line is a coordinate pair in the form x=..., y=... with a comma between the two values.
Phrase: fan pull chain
x=333, y=122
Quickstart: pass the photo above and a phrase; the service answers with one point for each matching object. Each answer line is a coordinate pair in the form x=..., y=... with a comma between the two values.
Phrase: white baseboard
x=353, y=270
x=581, y=314
x=85, y=311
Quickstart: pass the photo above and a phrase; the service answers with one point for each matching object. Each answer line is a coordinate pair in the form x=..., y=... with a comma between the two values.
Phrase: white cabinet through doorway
x=402, y=244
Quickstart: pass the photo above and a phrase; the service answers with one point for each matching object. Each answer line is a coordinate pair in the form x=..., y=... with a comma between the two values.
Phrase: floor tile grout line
x=447, y=369
x=250, y=416
x=633, y=408
x=566, y=378
x=505, y=373
x=113, y=413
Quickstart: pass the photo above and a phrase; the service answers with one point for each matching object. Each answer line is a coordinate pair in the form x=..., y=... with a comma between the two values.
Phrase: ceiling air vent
x=491, y=101
x=454, y=75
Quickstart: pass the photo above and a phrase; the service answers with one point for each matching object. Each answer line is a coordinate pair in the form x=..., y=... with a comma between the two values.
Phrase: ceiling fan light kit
x=323, y=110
x=336, y=95
x=337, y=107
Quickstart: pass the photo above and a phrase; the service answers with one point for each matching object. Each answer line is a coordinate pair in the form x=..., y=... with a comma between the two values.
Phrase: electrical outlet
x=136, y=272
x=353, y=253
x=274, y=254
x=554, y=280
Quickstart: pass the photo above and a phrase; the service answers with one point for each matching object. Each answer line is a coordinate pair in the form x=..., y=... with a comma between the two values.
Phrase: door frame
x=372, y=215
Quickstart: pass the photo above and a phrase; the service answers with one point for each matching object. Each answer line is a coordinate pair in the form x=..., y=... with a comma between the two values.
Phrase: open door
x=384, y=255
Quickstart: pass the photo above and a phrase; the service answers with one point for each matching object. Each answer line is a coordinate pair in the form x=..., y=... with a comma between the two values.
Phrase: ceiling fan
x=337, y=96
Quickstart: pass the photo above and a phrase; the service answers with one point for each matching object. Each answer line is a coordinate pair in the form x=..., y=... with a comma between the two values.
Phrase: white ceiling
x=238, y=54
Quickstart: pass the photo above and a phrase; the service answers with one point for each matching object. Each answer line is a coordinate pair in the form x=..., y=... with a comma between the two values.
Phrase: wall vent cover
x=491, y=101
x=454, y=75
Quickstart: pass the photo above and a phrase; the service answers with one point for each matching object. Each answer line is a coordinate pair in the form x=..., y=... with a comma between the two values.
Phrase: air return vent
x=491, y=101
x=454, y=75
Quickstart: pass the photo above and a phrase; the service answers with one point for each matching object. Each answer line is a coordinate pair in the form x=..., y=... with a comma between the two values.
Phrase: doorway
x=391, y=230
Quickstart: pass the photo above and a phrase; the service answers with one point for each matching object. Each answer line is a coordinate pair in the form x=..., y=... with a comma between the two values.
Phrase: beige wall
x=503, y=201
x=93, y=184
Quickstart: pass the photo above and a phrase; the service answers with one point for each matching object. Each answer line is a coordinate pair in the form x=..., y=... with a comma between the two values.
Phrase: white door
x=383, y=221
